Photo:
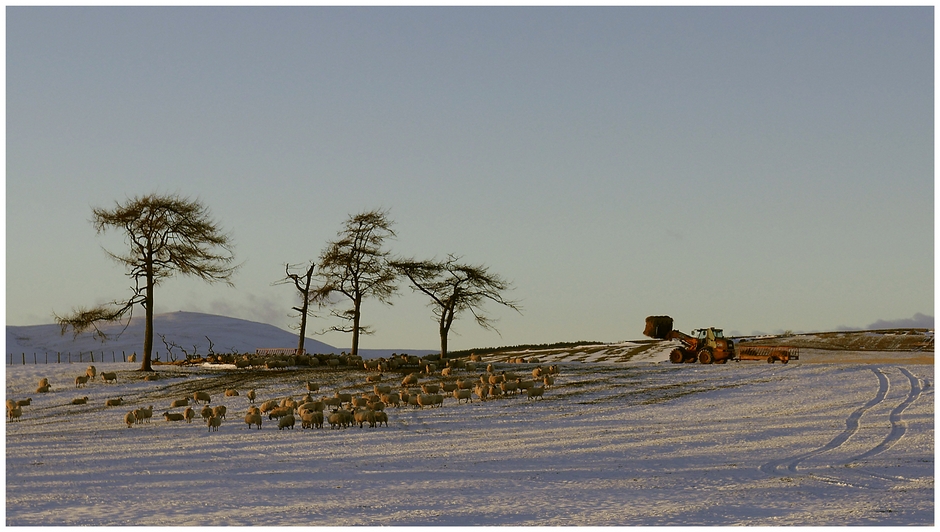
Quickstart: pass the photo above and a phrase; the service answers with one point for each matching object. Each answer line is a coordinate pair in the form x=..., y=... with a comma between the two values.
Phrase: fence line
x=61, y=358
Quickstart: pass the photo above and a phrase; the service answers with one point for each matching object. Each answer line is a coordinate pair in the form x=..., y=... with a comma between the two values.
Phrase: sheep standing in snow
x=202, y=396
x=14, y=414
x=286, y=422
x=251, y=396
x=218, y=411
x=535, y=392
x=179, y=403
x=109, y=376
x=43, y=382
x=81, y=381
x=43, y=389
x=310, y=419
x=381, y=417
x=364, y=416
x=279, y=412
x=172, y=417
x=214, y=423
x=231, y=392
x=206, y=412
x=91, y=372
x=253, y=419
x=144, y=414
x=24, y=402
x=460, y=395
x=189, y=414
x=268, y=406
x=130, y=418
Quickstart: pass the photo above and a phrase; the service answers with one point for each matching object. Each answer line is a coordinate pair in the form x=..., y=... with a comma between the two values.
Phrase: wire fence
x=73, y=358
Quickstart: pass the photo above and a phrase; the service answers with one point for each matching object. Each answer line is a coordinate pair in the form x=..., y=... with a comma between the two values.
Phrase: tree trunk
x=355, y=331
x=443, y=343
x=145, y=364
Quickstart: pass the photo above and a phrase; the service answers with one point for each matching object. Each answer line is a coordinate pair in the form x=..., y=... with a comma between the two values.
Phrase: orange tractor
x=708, y=346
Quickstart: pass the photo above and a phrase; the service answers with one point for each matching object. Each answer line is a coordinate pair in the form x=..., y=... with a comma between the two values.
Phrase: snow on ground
x=610, y=444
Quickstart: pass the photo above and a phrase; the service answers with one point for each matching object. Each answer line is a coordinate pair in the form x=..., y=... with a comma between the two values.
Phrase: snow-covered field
x=638, y=443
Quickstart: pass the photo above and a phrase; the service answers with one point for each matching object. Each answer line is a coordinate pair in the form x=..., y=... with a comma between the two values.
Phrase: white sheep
x=172, y=417
x=251, y=395
x=548, y=380
x=91, y=372
x=206, y=412
x=218, y=411
x=535, y=392
x=189, y=414
x=81, y=381
x=310, y=419
x=253, y=419
x=114, y=402
x=14, y=413
x=461, y=395
x=430, y=387
x=391, y=399
x=144, y=414
x=231, y=392
x=279, y=412
x=364, y=416
x=43, y=389
x=80, y=401
x=482, y=391
x=312, y=387
x=24, y=402
x=179, y=403
x=109, y=376
x=130, y=418
x=267, y=406
x=286, y=422
x=214, y=423
x=410, y=380
x=202, y=396
x=11, y=404
x=43, y=382
x=381, y=417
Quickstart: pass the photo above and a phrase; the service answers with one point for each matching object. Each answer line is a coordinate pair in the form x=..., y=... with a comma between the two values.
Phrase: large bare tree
x=354, y=267
x=455, y=287
x=165, y=235
x=303, y=283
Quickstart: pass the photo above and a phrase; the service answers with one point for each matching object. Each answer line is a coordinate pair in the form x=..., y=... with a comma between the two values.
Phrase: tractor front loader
x=707, y=345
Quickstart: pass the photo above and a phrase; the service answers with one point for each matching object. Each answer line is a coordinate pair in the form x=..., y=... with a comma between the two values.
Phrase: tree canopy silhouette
x=165, y=235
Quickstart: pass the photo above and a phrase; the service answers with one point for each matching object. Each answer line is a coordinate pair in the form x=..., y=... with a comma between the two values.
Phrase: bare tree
x=355, y=267
x=455, y=288
x=302, y=282
x=166, y=235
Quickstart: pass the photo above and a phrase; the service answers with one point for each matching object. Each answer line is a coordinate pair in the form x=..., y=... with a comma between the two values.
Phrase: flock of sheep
x=426, y=386
x=15, y=408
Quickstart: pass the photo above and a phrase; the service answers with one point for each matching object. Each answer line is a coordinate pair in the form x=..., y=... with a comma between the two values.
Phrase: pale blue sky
x=756, y=169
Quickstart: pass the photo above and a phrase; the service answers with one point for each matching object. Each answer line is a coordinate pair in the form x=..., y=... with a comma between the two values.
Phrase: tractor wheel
x=705, y=356
x=676, y=356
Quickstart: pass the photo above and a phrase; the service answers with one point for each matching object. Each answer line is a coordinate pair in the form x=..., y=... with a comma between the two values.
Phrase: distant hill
x=186, y=329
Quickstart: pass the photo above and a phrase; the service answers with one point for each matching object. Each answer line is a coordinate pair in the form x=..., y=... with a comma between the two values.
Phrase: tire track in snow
x=898, y=426
x=851, y=427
